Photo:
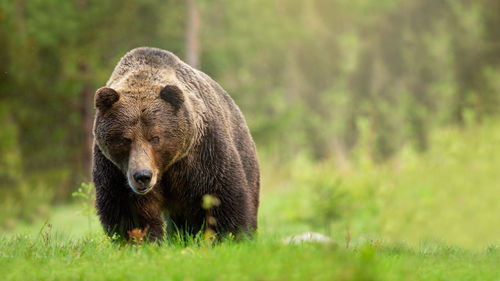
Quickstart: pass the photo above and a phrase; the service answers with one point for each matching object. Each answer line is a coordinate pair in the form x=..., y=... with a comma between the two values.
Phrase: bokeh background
x=374, y=120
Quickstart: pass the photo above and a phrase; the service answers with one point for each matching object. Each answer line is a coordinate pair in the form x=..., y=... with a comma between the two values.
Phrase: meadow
x=429, y=216
x=376, y=123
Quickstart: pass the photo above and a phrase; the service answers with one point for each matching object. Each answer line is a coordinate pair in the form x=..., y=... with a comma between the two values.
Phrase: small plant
x=323, y=196
x=46, y=236
x=86, y=196
x=329, y=201
x=209, y=201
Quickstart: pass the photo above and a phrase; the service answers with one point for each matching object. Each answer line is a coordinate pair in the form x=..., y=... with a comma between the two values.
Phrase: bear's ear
x=173, y=95
x=105, y=97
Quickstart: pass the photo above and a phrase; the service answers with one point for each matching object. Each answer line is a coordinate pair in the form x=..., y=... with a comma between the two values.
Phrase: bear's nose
x=143, y=177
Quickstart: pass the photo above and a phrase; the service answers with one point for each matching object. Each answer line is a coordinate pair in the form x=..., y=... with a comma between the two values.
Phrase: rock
x=310, y=237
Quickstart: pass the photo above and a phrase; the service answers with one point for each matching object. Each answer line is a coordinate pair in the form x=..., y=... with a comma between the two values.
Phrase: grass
x=66, y=249
x=53, y=256
x=428, y=216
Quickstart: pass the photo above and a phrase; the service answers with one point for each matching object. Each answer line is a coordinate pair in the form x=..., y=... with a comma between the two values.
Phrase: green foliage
x=323, y=198
x=10, y=163
x=27, y=202
x=327, y=200
x=303, y=72
x=447, y=193
x=86, y=197
x=21, y=198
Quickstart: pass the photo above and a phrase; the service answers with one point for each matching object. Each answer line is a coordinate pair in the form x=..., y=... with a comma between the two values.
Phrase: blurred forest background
x=382, y=102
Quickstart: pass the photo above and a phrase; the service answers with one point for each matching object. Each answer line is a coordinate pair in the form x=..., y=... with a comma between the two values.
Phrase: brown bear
x=167, y=136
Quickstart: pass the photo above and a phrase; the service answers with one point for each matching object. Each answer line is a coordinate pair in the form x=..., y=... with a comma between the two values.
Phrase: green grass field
x=93, y=258
x=75, y=254
x=431, y=216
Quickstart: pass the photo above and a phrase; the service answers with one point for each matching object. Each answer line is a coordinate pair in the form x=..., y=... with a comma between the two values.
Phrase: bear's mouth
x=141, y=191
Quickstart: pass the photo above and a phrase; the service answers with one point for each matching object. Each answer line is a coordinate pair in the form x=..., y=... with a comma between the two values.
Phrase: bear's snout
x=142, y=173
x=141, y=180
x=143, y=177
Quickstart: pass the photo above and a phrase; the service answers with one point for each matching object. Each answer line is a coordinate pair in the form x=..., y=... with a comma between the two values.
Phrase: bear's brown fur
x=165, y=136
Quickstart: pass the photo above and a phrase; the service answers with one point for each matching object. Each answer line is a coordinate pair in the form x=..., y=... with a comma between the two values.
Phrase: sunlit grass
x=54, y=256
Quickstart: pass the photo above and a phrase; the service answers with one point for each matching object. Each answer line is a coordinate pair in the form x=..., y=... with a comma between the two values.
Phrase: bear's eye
x=125, y=141
x=154, y=140
x=120, y=140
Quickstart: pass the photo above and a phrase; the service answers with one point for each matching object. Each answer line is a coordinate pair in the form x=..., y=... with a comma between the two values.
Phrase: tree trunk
x=192, y=34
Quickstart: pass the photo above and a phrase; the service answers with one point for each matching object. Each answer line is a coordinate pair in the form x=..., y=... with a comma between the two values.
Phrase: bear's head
x=144, y=133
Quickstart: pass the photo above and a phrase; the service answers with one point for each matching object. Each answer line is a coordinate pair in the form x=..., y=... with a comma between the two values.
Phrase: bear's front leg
x=130, y=217
x=121, y=211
